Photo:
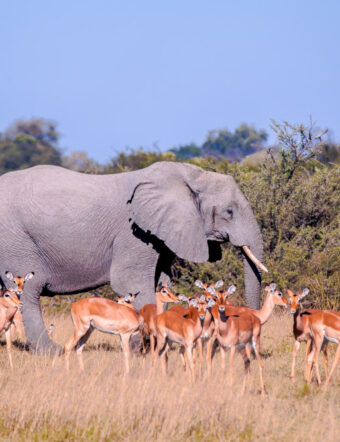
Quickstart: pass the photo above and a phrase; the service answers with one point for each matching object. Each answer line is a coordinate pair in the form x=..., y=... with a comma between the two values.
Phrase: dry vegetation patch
x=41, y=401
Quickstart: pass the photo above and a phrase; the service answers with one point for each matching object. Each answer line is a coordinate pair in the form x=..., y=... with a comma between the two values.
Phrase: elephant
x=79, y=231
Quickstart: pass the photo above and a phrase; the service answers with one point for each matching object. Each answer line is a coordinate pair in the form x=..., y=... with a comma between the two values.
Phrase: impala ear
x=272, y=287
x=212, y=291
x=182, y=297
x=193, y=302
x=231, y=290
x=202, y=298
x=29, y=276
x=10, y=276
x=211, y=302
x=304, y=293
x=199, y=284
x=171, y=211
x=218, y=284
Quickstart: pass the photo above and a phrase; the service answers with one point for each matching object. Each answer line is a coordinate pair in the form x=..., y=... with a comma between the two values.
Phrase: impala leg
x=335, y=363
x=309, y=349
x=295, y=350
x=152, y=349
x=210, y=344
x=80, y=345
x=162, y=344
x=189, y=353
x=9, y=346
x=318, y=339
x=183, y=357
x=223, y=352
x=231, y=361
x=143, y=339
x=77, y=335
x=256, y=346
x=125, y=341
x=246, y=354
x=200, y=354
x=325, y=355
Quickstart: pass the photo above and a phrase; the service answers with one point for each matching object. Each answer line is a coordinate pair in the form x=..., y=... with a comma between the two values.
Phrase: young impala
x=240, y=330
x=106, y=316
x=9, y=304
x=171, y=326
x=149, y=313
x=19, y=281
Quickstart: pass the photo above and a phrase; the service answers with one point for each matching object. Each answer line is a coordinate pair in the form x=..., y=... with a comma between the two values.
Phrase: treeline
x=293, y=188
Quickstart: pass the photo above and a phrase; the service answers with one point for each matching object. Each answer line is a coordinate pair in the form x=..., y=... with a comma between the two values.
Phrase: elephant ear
x=172, y=214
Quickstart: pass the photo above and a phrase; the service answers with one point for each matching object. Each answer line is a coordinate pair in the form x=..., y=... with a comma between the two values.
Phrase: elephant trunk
x=253, y=257
x=36, y=334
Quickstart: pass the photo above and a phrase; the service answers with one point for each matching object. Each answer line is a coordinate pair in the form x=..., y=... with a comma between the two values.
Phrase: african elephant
x=77, y=231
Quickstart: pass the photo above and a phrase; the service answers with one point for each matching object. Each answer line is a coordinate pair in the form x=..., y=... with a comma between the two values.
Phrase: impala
x=324, y=327
x=171, y=326
x=150, y=311
x=127, y=300
x=106, y=316
x=9, y=304
x=302, y=331
x=19, y=281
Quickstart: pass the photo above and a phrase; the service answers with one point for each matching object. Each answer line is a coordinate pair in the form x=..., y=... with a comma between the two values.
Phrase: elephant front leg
x=133, y=269
x=36, y=334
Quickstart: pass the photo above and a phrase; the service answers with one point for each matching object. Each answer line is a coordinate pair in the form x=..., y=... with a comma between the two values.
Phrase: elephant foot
x=136, y=345
x=48, y=348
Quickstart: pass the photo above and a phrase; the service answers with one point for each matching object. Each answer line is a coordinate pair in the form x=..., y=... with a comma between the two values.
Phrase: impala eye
x=7, y=296
x=230, y=210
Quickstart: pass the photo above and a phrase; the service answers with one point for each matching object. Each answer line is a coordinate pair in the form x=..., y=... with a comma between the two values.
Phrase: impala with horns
x=106, y=316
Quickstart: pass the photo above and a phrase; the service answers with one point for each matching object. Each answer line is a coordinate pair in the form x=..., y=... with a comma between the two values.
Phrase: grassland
x=39, y=400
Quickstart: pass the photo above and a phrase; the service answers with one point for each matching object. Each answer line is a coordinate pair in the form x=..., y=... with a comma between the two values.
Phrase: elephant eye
x=230, y=212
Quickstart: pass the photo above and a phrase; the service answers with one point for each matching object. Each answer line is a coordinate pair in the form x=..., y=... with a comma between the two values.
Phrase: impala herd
x=203, y=322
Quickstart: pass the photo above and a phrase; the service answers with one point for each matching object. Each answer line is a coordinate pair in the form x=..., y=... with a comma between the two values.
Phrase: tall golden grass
x=39, y=400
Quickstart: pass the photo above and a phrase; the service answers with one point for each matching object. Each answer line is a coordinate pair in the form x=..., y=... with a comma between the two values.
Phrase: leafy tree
x=45, y=131
x=329, y=154
x=246, y=140
x=29, y=143
x=187, y=151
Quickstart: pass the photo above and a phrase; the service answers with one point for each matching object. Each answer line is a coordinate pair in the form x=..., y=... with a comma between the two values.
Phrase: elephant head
x=186, y=207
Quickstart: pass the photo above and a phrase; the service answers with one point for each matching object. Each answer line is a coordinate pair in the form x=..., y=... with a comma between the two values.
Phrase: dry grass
x=40, y=401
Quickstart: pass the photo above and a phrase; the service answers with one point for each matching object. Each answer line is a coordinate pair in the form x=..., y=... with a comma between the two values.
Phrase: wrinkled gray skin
x=78, y=231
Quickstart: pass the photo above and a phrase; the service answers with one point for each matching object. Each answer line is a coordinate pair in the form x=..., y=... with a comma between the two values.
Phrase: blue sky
x=134, y=73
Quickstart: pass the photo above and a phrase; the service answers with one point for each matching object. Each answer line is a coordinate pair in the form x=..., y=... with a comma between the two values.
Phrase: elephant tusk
x=254, y=259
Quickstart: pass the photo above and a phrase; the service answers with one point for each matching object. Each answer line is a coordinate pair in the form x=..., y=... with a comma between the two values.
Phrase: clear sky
x=134, y=73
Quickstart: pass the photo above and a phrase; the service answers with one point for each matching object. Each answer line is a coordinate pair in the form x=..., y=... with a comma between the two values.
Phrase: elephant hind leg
x=36, y=334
